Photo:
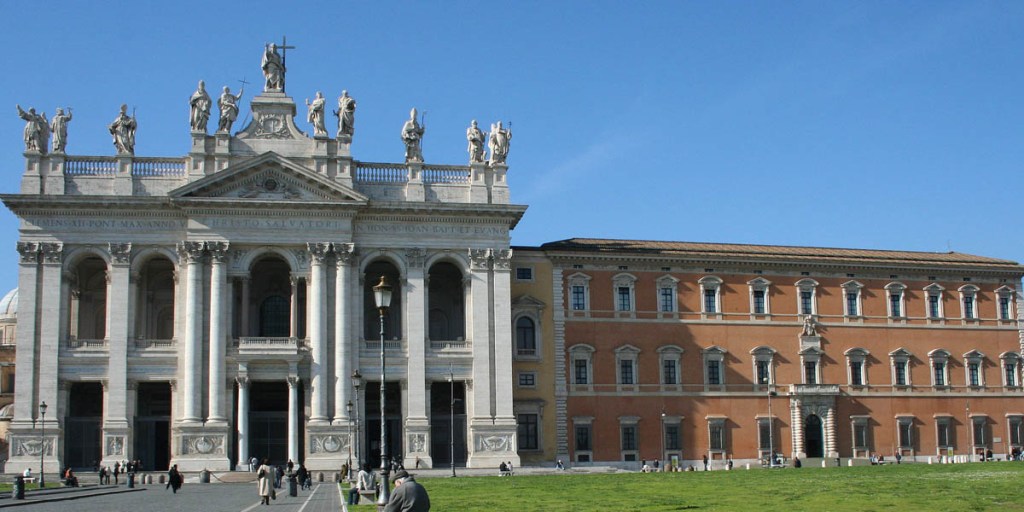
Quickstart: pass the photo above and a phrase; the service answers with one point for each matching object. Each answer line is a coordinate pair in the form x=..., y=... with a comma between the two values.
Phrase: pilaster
x=344, y=346
x=32, y=180
x=796, y=421
x=498, y=186
x=221, y=152
x=293, y=418
x=53, y=181
x=122, y=181
x=414, y=187
x=503, y=346
x=218, y=340
x=243, y=423
x=115, y=422
x=478, y=183
x=318, y=333
x=191, y=254
x=25, y=340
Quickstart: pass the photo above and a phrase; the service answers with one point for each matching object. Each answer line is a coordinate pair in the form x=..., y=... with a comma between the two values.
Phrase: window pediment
x=901, y=353
x=526, y=302
x=670, y=349
x=856, y=352
x=627, y=350
x=762, y=350
x=714, y=349
x=759, y=282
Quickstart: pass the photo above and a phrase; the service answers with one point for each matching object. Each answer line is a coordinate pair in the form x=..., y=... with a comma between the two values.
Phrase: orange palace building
x=677, y=350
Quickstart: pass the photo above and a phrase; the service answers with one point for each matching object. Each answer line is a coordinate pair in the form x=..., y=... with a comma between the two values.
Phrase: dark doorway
x=268, y=421
x=153, y=425
x=393, y=413
x=441, y=424
x=83, y=426
x=813, y=437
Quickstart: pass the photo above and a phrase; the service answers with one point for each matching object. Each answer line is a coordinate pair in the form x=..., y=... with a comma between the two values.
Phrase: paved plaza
x=192, y=497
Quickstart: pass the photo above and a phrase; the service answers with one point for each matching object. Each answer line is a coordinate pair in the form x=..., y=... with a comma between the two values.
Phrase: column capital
x=293, y=381
x=120, y=253
x=344, y=253
x=415, y=256
x=52, y=252
x=318, y=251
x=502, y=259
x=29, y=252
x=243, y=381
x=479, y=259
x=191, y=252
x=218, y=251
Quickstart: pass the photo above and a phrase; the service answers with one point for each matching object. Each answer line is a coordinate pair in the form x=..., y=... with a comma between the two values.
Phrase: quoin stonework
x=207, y=309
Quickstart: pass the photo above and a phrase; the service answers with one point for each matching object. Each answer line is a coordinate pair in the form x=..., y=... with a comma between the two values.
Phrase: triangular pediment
x=268, y=177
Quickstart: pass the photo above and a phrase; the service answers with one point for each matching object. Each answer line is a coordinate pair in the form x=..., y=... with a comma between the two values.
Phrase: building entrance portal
x=441, y=424
x=84, y=424
x=393, y=413
x=268, y=421
x=153, y=425
x=814, y=437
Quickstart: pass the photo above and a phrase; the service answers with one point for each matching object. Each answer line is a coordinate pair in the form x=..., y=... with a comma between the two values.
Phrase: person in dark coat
x=408, y=496
x=174, y=479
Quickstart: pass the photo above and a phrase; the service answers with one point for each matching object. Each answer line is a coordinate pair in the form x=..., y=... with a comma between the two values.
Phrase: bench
x=369, y=494
x=505, y=472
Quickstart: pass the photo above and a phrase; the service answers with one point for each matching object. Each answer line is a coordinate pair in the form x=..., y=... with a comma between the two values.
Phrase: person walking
x=265, y=477
x=408, y=496
x=173, y=479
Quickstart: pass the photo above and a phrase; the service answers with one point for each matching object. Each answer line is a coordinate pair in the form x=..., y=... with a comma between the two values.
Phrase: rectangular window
x=667, y=302
x=717, y=433
x=806, y=303
x=527, y=431
x=974, y=379
x=579, y=298
x=583, y=438
x=933, y=306
x=527, y=379
x=1004, y=308
x=581, y=373
x=763, y=376
x=811, y=372
x=860, y=436
x=626, y=371
x=764, y=432
x=940, y=373
x=624, y=303
x=901, y=373
x=904, y=434
x=629, y=438
x=759, y=306
x=979, y=432
x=524, y=274
x=1011, y=374
x=968, y=306
x=669, y=372
x=943, y=433
x=856, y=373
x=714, y=373
x=851, y=303
x=1015, y=430
x=894, y=305
x=672, y=441
x=710, y=302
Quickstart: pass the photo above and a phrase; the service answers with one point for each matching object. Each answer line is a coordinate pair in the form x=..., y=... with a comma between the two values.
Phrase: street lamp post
x=348, y=409
x=382, y=297
x=771, y=430
x=357, y=383
x=661, y=456
x=42, y=444
x=451, y=433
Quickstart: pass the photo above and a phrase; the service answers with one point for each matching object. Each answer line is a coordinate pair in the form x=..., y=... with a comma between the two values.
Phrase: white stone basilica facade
x=203, y=310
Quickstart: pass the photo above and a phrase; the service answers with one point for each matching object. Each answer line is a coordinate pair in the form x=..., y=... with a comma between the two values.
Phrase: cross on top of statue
x=273, y=65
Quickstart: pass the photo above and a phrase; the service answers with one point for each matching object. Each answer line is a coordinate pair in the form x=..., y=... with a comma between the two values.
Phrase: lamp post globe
x=382, y=297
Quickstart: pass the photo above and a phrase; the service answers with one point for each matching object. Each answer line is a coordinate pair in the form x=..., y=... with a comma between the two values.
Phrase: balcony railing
x=445, y=174
x=367, y=172
x=269, y=345
x=142, y=343
x=73, y=343
x=388, y=344
x=148, y=166
x=450, y=344
x=90, y=166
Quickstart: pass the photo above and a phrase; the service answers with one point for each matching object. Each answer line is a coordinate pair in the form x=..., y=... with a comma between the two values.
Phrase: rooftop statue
x=37, y=130
x=123, y=131
x=59, y=127
x=273, y=69
x=199, y=108
x=476, y=139
x=499, y=142
x=412, y=136
x=228, y=104
x=346, y=114
x=315, y=114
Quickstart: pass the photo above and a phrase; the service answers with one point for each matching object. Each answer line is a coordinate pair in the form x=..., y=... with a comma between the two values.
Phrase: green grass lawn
x=990, y=486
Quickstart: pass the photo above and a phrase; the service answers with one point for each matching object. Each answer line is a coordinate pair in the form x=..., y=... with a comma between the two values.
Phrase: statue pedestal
x=199, y=447
x=328, y=447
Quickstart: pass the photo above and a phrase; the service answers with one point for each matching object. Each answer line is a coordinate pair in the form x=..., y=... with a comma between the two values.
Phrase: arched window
x=526, y=337
x=447, y=303
x=274, y=322
x=371, y=317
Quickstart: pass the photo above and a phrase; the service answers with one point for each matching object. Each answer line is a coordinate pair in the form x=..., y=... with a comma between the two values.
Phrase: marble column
x=243, y=422
x=293, y=418
x=344, y=254
x=317, y=333
x=416, y=316
x=293, y=302
x=830, y=433
x=503, y=343
x=191, y=254
x=118, y=304
x=218, y=348
x=25, y=340
x=480, y=312
x=49, y=331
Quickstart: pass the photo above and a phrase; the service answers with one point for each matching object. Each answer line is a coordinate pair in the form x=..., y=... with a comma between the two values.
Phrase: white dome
x=9, y=304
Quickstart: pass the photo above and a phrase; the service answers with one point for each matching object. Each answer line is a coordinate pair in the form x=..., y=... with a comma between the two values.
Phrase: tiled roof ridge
x=595, y=243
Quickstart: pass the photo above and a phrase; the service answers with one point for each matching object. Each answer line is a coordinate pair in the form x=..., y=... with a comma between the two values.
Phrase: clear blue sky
x=893, y=125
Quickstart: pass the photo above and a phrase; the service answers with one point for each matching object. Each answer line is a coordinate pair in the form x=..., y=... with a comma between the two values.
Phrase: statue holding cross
x=273, y=65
